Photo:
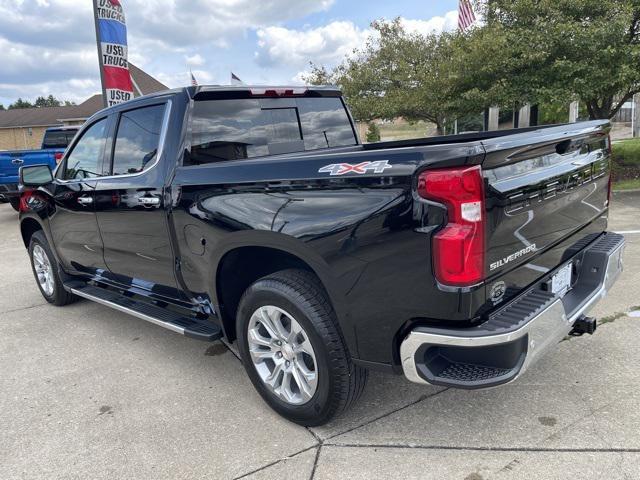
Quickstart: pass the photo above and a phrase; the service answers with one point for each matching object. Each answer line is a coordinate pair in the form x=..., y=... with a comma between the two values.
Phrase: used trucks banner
x=111, y=34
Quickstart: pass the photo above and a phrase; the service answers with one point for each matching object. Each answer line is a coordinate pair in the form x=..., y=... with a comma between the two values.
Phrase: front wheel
x=293, y=351
x=46, y=271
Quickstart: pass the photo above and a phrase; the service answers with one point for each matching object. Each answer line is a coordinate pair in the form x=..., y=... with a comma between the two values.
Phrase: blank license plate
x=561, y=281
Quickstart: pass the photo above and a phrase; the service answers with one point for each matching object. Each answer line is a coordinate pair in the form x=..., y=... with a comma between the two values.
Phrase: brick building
x=24, y=128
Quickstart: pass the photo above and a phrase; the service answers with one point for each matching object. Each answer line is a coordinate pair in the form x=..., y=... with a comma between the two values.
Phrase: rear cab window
x=236, y=129
x=137, y=140
x=58, y=138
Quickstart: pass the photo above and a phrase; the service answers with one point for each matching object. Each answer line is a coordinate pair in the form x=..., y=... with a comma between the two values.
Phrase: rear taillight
x=459, y=248
x=58, y=156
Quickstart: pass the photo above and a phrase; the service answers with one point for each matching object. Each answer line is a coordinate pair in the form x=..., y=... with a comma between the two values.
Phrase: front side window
x=137, y=140
x=246, y=128
x=85, y=160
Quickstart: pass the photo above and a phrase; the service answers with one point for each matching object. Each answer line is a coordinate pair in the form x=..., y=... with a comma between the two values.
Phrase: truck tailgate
x=546, y=190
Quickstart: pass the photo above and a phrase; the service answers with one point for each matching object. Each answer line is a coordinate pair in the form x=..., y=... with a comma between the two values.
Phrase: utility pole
x=574, y=112
x=524, y=116
x=635, y=116
x=494, y=118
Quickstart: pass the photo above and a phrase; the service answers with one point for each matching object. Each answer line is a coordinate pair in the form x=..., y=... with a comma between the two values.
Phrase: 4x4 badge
x=360, y=168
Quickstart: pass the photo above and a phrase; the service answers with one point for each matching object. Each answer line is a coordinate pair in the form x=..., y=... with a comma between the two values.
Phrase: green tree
x=49, y=101
x=554, y=51
x=20, y=104
x=398, y=74
x=40, y=102
x=373, y=133
x=1, y=107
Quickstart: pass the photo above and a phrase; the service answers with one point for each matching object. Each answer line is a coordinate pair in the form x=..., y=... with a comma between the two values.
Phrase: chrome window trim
x=161, y=145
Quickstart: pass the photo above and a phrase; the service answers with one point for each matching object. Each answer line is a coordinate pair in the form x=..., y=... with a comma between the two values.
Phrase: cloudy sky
x=48, y=46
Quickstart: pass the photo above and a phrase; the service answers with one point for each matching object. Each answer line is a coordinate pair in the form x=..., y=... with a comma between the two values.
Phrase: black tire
x=59, y=296
x=15, y=203
x=339, y=381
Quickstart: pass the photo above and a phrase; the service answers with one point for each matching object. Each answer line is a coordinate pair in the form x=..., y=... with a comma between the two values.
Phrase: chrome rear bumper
x=516, y=336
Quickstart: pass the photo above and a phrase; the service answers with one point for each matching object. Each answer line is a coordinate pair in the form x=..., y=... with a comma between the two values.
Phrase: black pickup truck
x=254, y=215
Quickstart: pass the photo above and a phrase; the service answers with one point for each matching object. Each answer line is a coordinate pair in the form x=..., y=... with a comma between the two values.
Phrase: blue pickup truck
x=54, y=144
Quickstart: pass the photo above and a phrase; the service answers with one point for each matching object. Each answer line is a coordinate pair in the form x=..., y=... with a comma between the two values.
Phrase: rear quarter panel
x=366, y=236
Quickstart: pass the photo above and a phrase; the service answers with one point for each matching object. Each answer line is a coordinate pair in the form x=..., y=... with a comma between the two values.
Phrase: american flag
x=194, y=82
x=235, y=80
x=466, y=17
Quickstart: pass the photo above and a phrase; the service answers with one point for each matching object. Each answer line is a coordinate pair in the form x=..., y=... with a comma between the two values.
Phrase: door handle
x=85, y=200
x=149, y=201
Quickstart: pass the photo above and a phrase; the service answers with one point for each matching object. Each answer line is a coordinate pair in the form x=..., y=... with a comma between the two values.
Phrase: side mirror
x=35, y=175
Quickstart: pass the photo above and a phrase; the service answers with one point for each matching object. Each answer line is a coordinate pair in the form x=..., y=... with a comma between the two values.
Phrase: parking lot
x=88, y=392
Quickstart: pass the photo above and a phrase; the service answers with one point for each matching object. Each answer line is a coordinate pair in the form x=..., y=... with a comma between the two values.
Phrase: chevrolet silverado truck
x=255, y=216
x=54, y=143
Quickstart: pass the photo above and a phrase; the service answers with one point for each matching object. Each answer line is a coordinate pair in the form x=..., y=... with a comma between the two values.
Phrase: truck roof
x=221, y=90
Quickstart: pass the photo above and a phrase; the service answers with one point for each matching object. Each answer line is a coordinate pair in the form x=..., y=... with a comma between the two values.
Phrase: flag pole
x=100, y=60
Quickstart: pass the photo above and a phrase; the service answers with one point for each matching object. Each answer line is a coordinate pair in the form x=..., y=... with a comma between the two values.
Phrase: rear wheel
x=47, y=272
x=293, y=351
x=15, y=203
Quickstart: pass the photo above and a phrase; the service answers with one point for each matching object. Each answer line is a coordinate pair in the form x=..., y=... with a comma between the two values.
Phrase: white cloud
x=195, y=60
x=329, y=44
x=45, y=41
x=48, y=46
x=25, y=64
x=76, y=90
x=201, y=21
x=183, y=78
x=434, y=25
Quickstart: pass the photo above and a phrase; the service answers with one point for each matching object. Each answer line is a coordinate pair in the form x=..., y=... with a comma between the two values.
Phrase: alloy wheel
x=282, y=355
x=44, y=272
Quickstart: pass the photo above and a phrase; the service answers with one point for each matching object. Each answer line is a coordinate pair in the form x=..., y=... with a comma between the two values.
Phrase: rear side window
x=246, y=128
x=85, y=160
x=58, y=139
x=137, y=140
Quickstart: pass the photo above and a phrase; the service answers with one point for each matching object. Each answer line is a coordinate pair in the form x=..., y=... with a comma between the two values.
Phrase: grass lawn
x=405, y=131
x=627, y=152
x=633, y=184
x=626, y=164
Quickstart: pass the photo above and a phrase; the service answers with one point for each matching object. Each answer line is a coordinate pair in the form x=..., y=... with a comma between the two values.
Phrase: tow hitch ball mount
x=584, y=325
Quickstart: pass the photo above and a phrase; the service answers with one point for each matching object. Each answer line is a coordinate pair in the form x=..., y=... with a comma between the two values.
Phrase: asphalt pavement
x=90, y=393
